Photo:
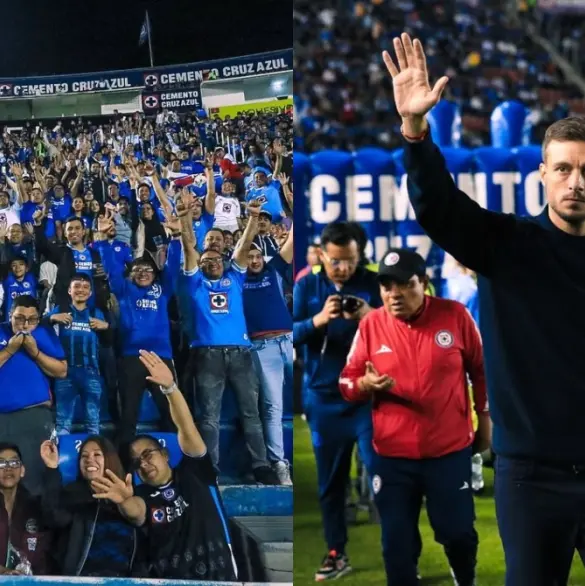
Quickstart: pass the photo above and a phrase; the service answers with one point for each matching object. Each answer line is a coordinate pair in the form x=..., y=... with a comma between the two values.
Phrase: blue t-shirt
x=264, y=304
x=215, y=308
x=61, y=208
x=121, y=252
x=80, y=343
x=13, y=288
x=202, y=226
x=14, y=395
x=269, y=197
x=26, y=216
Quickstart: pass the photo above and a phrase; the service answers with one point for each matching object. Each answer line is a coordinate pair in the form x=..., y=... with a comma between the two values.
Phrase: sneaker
x=477, y=482
x=334, y=566
x=265, y=475
x=282, y=471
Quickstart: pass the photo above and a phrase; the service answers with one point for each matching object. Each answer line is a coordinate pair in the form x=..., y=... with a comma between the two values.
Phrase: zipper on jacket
x=88, y=547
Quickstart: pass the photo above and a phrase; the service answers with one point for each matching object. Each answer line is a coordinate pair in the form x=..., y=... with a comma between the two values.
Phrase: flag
x=144, y=31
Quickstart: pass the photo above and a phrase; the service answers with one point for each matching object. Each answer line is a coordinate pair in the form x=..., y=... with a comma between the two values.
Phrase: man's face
x=260, y=179
x=113, y=192
x=15, y=234
x=95, y=168
x=214, y=240
x=4, y=200
x=88, y=196
x=150, y=462
x=59, y=192
x=142, y=275
x=11, y=469
x=197, y=208
x=313, y=256
x=143, y=193
x=112, y=232
x=228, y=188
x=403, y=300
x=91, y=461
x=28, y=185
x=184, y=155
x=340, y=262
x=211, y=264
x=18, y=268
x=123, y=207
x=264, y=224
x=80, y=291
x=24, y=319
x=77, y=204
x=176, y=166
x=74, y=232
x=563, y=176
x=37, y=196
x=50, y=180
x=255, y=261
x=228, y=239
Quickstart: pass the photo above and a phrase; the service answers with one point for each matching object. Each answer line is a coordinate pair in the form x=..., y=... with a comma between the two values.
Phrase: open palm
x=412, y=91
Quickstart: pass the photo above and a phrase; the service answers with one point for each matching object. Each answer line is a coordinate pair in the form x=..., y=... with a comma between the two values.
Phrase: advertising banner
x=273, y=107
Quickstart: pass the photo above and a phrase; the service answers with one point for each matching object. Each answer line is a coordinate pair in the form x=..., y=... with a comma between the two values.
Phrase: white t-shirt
x=227, y=212
x=9, y=216
x=48, y=273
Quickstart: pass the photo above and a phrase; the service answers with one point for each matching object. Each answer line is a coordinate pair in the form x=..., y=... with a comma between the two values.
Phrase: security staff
x=328, y=307
x=411, y=359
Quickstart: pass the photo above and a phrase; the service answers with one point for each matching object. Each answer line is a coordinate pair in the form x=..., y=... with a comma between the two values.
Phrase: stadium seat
x=148, y=409
x=69, y=455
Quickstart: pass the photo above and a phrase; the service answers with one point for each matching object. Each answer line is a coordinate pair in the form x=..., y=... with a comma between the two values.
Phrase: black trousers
x=133, y=383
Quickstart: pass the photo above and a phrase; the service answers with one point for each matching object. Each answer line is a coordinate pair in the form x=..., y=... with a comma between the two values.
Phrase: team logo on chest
x=444, y=339
x=169, y=494
x=218, y=302
x=158, y=515
x=155, y=291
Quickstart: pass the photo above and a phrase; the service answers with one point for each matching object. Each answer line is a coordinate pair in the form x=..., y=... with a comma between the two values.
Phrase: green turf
x=364, y=545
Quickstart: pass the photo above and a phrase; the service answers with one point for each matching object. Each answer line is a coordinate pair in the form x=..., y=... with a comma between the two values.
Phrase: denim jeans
x=214, y=367
x=80, y=382
x=273, y=359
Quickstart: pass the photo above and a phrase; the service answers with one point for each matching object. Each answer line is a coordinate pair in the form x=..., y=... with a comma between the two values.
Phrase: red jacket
x=427, y=413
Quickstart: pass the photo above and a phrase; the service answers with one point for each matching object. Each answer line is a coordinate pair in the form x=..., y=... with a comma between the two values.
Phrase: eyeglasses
x=146, y=456
x=336, y=262
x=31, y=321
x=10, y=464
x=210, y=261
x=143, y=270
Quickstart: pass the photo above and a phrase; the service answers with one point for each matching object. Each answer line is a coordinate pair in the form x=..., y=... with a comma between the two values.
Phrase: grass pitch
x=364, y=546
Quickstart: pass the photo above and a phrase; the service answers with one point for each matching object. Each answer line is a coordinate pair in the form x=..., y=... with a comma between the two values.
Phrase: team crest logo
x=117, y=248
x=444, y=339
x=6, y=89
x=150, y=102
x=155, y=292
x=31, y=543
x=169, y=494
x=151, y=79
x=218, y=302
x=392, y=259
x=376, y=484
x=31, y=526
x=158, y=515
x=82, y=257
x=226, y=283
x=26, y=285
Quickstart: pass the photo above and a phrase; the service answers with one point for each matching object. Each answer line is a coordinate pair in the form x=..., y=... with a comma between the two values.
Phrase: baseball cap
x=400, y=264
x=265, y=213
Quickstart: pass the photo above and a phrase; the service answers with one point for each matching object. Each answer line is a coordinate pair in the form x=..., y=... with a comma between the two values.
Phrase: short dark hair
x=80, y=277
x=143, y=185
x=339, y=234
x=149, y=438
x=26, y=301
x=214, y=230
x=227, y=232
x=571, y=129
x=211, y=250
x=10, y=446
x=74, y=219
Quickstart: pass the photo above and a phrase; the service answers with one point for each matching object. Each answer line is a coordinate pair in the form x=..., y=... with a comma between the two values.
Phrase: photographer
x=328, y=306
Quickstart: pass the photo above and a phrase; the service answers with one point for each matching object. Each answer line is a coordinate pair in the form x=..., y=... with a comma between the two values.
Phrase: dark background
x=46, y=37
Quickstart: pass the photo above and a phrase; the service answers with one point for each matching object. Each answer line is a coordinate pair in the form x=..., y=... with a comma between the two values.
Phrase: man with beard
x=181, y=508
x=270, y=329
x=22, y=535
x=220, y=347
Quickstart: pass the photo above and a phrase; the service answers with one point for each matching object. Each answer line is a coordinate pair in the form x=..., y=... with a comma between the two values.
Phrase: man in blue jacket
x=144, y=324
x=532, y=287
x=328, y=306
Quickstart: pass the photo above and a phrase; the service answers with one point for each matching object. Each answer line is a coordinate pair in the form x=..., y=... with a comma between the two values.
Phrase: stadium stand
x=127, y=176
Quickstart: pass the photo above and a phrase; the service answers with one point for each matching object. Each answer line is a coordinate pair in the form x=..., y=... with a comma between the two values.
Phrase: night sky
x=45, y=37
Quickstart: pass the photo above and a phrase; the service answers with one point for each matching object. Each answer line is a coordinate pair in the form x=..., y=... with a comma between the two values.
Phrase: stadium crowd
x=139, y=254
x=344, y=97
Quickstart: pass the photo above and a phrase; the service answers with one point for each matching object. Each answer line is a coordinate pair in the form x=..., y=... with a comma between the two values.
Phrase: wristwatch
x=169, y=390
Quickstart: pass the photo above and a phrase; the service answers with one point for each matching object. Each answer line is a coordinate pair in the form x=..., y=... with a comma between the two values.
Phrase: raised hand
x=50, y=454
x=413, y=94
x=160, y=373
x=209, y=161
x=112, y=488
x=254, y=208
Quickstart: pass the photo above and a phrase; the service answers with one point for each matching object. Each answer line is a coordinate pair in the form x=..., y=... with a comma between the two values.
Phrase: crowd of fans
x=344, y=94
x=139, y=254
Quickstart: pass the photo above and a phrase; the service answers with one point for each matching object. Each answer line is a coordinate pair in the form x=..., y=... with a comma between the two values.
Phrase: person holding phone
x=327, y=309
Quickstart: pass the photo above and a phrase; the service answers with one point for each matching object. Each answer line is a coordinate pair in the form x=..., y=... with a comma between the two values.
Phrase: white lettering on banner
x=387, y=193
x=533, y=195
x=507, y=181
x=113, y=83
x=360, y=193
x=186, y=76
x=402, y=208
x=321, y=212
x=259, y=67
x=147, y=304
x=378, y=248
x=420, y=242
x=179, y=95
x=479, y=194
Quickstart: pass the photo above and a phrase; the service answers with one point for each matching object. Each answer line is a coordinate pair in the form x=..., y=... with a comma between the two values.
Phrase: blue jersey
x=14, y=288
x=121, y=252
x=202, y=226
x=61, y=208
x=215, y=308
x=84, y=264
x=269, y=197
x=80, y=343
x=26, y=217
x=192, y=167
x=14, y=395
x=264, y=304
x=144, y=319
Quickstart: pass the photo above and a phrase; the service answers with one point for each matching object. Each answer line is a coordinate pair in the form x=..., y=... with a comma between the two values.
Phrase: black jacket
x=62, y=256
x=72, y=512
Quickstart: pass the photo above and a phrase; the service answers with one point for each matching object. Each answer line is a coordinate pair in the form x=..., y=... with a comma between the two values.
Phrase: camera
x=350, y=304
